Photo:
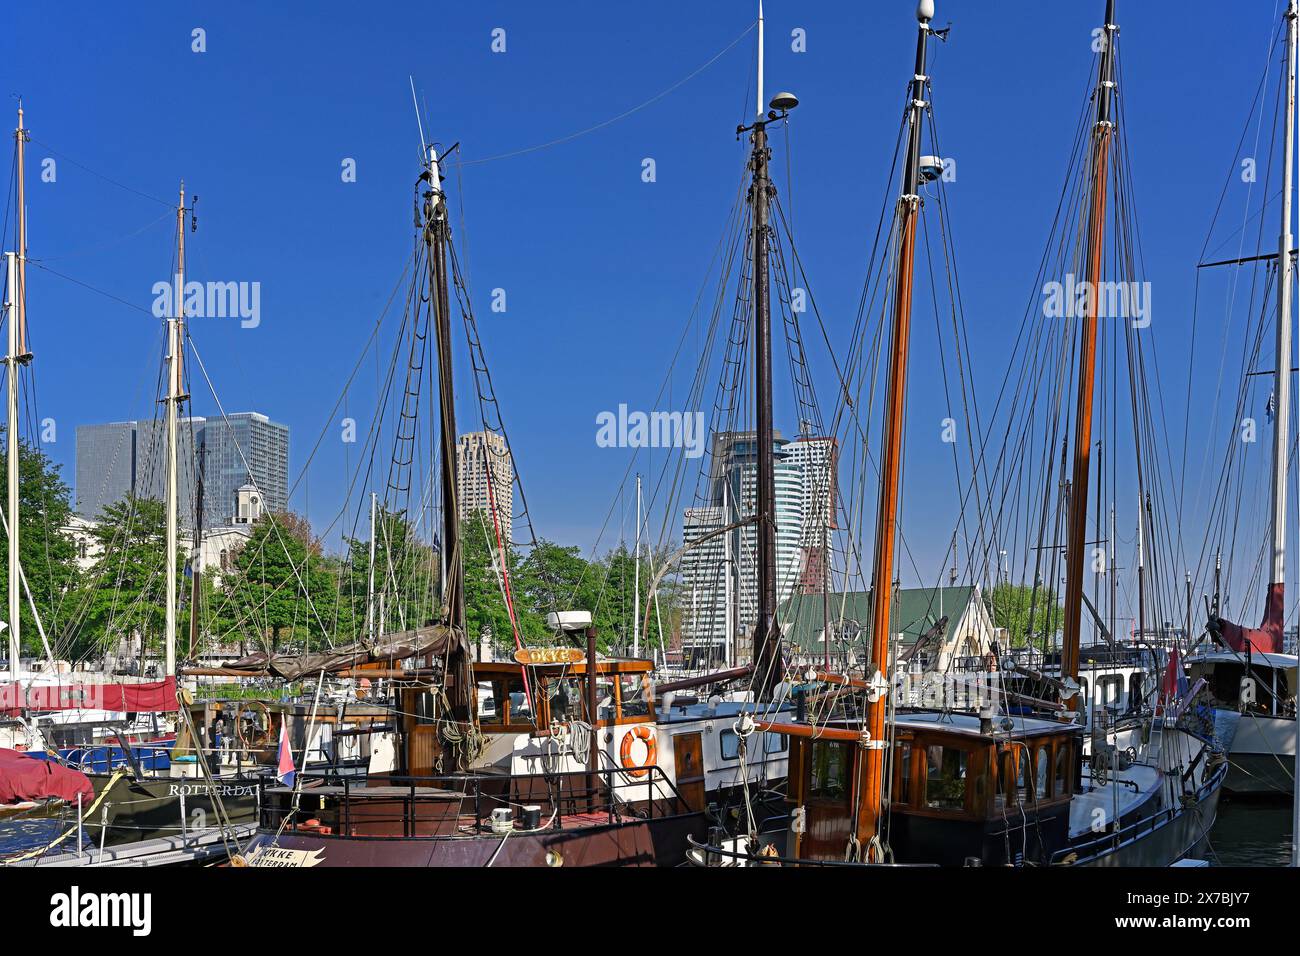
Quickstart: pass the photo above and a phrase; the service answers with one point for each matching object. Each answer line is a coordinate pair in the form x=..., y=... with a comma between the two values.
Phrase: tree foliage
x=1019, y=607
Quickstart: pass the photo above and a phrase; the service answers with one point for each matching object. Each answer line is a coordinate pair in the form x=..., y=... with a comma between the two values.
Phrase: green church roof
x=916, y=610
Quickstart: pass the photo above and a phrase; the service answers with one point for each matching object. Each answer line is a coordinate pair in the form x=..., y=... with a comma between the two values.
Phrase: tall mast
x=1103, y=132
x=16, y=355
x=174, y=398
x=370, y=578
x=22, y=135
x=1282, y=376
x=636, y=578
x=436, y=231
x=728, y=570
x=1282, y=365
x=765, y=643
x=11, y=450
x=891, y=455
x=196, y=571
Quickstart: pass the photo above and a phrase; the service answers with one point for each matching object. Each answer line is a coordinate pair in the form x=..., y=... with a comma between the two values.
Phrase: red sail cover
x=25, y=778
x=154, y=697
x=1268, y=636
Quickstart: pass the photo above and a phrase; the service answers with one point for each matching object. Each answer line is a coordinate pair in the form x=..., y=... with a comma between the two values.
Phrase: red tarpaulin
x=154, y=697
x=1267, y=637
x=25, y=778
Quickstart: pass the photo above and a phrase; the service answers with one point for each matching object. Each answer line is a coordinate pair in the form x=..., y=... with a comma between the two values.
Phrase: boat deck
x=1095, y=810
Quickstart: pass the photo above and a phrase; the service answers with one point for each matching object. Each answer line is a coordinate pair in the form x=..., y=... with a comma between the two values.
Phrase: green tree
x=278, y=589
x=406, y=577
x=45, y=548
x=124, y=593
x=1013, y=605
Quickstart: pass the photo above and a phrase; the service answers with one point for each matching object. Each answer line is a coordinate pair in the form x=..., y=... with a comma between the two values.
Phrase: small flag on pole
x=1174, y=686
x=284, y=771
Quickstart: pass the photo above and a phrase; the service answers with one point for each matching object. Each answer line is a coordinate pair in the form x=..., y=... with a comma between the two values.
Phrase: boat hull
x=1262, y=757
x=659, y=842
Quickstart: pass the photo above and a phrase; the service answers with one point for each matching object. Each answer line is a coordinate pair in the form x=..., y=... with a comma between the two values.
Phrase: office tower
x=105, y=466
x=118, y=459
x=723, y=571
x=244, y=448
x=485, y=475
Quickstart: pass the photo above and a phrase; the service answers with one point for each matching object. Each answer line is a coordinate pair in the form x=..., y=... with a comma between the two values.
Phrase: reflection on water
x=1252, y=833
x=19, y=835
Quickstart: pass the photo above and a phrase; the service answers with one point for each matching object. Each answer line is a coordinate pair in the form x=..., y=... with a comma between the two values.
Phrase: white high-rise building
x=724, y=570
x=485, y=477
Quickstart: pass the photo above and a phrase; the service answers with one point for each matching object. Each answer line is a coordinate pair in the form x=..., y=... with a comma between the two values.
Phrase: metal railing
x=408, y=805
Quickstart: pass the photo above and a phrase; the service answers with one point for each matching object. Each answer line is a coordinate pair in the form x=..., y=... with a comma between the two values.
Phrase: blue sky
x=600, y=268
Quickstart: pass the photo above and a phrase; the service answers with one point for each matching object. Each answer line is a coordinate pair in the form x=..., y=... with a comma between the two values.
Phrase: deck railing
x=408, y=806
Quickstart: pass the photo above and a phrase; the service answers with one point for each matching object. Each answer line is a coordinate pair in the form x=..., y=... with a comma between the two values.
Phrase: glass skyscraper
x=114, y=460
x=105, y=467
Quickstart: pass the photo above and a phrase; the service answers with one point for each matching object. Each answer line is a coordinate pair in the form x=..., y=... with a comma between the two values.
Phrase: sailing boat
x=162, y=810
x=1248, y=672
x=43, y=709
x=876, y=782
x=443, y=807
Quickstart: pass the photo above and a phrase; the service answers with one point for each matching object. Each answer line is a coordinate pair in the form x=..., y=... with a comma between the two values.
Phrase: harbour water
x=1250, y=833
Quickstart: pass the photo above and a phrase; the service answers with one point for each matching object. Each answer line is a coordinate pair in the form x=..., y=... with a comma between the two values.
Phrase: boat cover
x=140, y=698
x=436, y=639
x=24, y=778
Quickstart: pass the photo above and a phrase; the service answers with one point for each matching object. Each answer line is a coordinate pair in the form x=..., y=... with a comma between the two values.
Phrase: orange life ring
x=643, y=733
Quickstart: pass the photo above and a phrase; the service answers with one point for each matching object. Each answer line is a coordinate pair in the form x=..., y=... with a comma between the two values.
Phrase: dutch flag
x=284, y=771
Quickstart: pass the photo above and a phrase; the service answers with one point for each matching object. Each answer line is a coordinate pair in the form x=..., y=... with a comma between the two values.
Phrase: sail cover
x=143, y=698
x=24, y=778
x=437, y=640
x=1266, y=638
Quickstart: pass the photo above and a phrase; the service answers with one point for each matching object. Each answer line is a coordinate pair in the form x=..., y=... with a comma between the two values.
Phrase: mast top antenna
x=925, y=11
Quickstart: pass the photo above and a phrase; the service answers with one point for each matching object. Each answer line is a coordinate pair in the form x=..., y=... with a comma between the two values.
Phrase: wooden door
x=827, y=789
x=689, y=768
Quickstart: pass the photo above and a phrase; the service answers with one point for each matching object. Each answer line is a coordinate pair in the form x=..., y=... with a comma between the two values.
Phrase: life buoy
x=643, y=733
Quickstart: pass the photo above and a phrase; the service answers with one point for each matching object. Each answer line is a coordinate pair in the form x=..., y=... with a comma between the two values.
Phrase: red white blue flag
x=284, y=771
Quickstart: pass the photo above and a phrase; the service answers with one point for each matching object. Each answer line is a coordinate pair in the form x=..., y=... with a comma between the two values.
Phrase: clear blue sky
x=600, y=268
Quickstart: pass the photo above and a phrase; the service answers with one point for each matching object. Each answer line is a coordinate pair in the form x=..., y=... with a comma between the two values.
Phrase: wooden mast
x=435, y=237
x=766, y=656
x=1103, y=131
x=437, y=234
x=882, y=577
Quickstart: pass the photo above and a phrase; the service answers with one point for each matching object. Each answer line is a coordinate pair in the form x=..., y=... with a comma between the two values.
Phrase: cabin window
x=489, y=710
x=1134, y=690
x=829, y=771
x=775, y=743
x=425, y=709
x=605, y=709
x=1042, y=765
x=521, y=709
x=567, y=698
x=945, y=778
x=1063, y=784
x=729, y=744
x=979, y=786
x=904, y=791
x=632, y=690
x=1111, y=688
x=1008, y=788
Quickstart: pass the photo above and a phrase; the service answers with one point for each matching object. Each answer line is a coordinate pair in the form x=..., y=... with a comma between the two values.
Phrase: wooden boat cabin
x=959, y=788
x=513, y=699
